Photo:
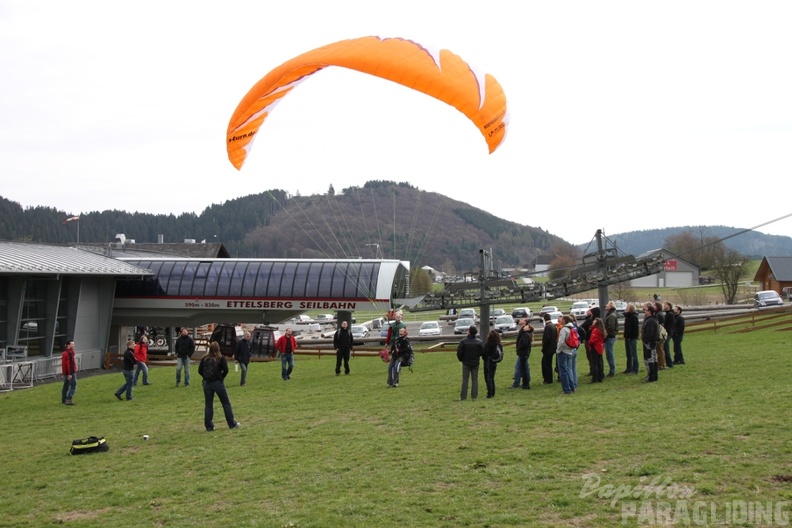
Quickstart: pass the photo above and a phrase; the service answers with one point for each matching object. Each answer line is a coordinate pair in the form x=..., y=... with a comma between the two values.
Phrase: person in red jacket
x=69, y=369
x=596, y=342
x=286, y=345
x=141, y=355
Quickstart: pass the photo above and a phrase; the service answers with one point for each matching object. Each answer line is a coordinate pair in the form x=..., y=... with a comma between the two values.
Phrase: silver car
x=505, y=323
x=461, y=325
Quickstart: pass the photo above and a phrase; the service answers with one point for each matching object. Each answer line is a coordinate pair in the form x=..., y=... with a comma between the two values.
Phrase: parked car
x=462, y=324
x=300, y=319
x=766, y=298
x=495, y=313
x=324, y=319
x=554, y=316
x=548, y=309
x=521, y=313
x=468, y=313
x=359, y=332
x=429, y=328
x=505, y=323
x=579, y=309
x=787, y=292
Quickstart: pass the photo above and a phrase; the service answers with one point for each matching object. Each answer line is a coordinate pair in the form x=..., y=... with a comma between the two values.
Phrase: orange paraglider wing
x=443, y=75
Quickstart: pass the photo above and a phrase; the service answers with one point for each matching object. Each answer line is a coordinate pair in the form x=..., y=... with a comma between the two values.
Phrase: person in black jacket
x=492, y=349
x=631, y=330
x=668, y=323
x=213, y=369
x=128, y=371
x=242, y=356
x=677, y=335
x=342, y=342
x=185, y=348
x=549, y=342
x=649, y=335
x=522, y=370
x=469, y=352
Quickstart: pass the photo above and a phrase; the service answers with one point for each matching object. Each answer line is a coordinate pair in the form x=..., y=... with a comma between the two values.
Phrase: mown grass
x=322, y=450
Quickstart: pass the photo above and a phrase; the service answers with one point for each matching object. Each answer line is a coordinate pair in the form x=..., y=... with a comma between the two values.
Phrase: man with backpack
x=342, y=342
x=566, y=353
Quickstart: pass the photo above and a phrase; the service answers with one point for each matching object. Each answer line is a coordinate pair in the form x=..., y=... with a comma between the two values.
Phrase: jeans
x=489, y=377
x=211, y=388
x=678, y=357
x=342, y=356
x=522, y=372
x=667, y=352
x=69, y=388
x=573, y=370
x=472, y=373
x=565, y=372
x=394, y=366
x=127, y=386
x=141, y=367
x=181, y=363
x=609, y=342
x=630, y=348
x=287, y=365
x=243, y=377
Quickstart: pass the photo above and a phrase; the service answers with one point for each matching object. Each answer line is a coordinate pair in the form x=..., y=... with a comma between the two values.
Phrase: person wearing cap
x=469, y=352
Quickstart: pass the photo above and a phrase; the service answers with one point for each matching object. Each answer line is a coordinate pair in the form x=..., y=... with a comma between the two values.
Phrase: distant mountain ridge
x=751, y=243
x=381, y=219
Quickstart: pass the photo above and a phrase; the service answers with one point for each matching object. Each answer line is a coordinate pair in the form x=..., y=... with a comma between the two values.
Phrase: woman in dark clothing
x=492, y=350
x=631, y=326
x=213, y=369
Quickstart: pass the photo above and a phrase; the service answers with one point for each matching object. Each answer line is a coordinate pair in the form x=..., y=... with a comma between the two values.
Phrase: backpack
x=210, y=370
x=662, y=334
x=92, y=444
x=497, y=356
x=573, y=341
x=408, y=358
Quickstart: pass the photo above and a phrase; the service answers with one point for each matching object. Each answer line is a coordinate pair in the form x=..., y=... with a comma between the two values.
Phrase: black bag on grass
x=92, y=444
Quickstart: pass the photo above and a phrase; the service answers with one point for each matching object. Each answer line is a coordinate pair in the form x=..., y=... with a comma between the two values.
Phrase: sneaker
x=118, y=396
x=236, y=425
x=186, y=384
x=395, y=385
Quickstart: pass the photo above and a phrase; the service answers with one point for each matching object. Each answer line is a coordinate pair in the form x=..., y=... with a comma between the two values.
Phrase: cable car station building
x=52, y=294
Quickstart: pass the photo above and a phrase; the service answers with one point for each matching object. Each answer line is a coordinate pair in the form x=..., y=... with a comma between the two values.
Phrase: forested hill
x=380, y=219
x=752, y=243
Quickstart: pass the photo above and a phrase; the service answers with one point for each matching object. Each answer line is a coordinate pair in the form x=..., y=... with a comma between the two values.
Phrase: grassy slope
x=322, y=450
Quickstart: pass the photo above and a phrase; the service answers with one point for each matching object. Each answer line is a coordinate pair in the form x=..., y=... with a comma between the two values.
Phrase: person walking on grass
x=213, y=369
x=69, y=370
x=185, y=348
x=128, y=370
x=493, y=353
x=286, y=346
x=469, y=352
x=141, y=355
x=242, y=354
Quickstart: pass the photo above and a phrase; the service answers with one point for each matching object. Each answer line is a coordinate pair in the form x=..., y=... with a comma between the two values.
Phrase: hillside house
x=677, y=272
x=775, y=273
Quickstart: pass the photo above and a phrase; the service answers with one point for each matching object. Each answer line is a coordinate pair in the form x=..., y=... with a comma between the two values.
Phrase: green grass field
x=326, y=451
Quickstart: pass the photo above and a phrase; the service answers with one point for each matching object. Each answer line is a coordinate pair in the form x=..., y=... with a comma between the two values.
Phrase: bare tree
x=730, y=266
x=621, y=290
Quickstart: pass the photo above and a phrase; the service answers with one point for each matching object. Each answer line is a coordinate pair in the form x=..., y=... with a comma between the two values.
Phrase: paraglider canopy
x=442, y=75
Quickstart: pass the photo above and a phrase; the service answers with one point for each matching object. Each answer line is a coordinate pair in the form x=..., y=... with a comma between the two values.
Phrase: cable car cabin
x=227, y=336
x=262, y=342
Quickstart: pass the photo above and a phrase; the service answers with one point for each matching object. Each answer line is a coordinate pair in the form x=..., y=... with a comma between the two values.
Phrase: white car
x=554, y=316
x=549, y=309
x=579, y=309
x=505, y=323
x=359, y=331
x=429, y=328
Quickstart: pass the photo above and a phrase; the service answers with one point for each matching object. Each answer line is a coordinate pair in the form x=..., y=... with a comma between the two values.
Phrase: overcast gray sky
x=655, y=114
